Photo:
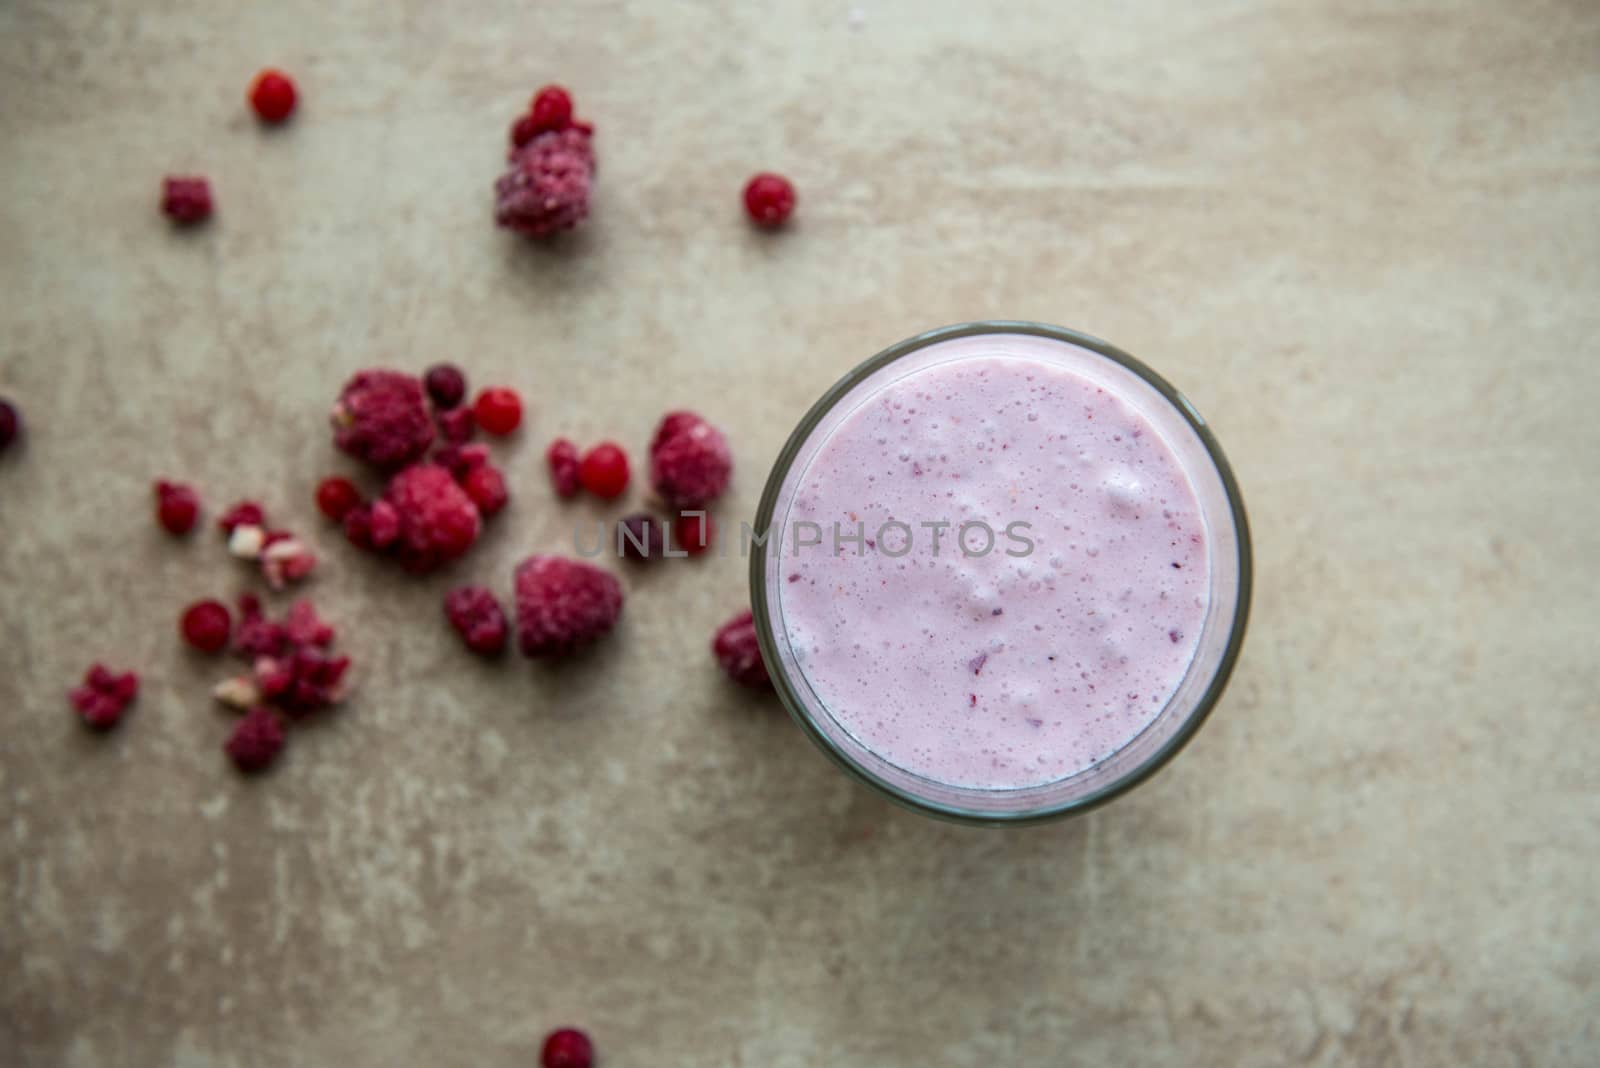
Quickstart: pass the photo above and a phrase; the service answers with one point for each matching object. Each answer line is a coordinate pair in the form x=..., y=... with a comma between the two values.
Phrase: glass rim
x=768, y=639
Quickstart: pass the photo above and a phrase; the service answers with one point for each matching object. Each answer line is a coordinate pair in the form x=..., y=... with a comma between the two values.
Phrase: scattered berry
x=10, y=423
x=551, y=109
x=446, y=385
x=336, y=496
x=256, y=741
x=563, y=604
x=438, y=521
x=382, y=417
x=690, y=462
x=478, y=618
x=104, y=696
x=286, y=559
x=604, y=470
x=545, y=187
x=567, y=1048
x=302, y=626
x=257, y=635
x=769, y=198
x=458, y=425
x=694, y=533
x=563, y=460
x=273, y=95
x=177, y=507
x=206, y=625
x=243, y=514
x=186, y=200
x=487, y=488
x=498, y=410
x=641, y=537
x=739, y=652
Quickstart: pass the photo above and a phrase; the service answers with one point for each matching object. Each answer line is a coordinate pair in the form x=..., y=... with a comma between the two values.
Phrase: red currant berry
x=567, y=1048
x=206, y=626
x=498, y=410
x=769, y=198
x=693, y=533
x=604, y=470
x=336, y=496
x=551, y=109
x=177, y=507
x=272, y=94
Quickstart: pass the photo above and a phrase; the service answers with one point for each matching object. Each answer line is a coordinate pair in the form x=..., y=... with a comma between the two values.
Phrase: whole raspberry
x=243, y=514
x=545, y=188
x=177, y=507
x=641, y=537
x=498, y=410
x=769, y=199
x=272, y=95
x=458, y=425
x=564, y=465
x=104, y=696
x=690, y=462
x=477, y=616
x=336, y=496
x=604, y=470
x=563, y=604
x=10, y=423
x=438, y=521
x=206, y=625
x=382, y=417
x=694, y=532
x=567, y=1048
x=487, y=488
x=186, y=200
x=446, y=385
x=739, y=652
x=256, y=741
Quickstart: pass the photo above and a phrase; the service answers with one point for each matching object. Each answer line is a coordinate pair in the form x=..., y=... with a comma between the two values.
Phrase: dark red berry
x=243, y=514
x=256, y=741
x=186, y=200
x=383, y=417
x=446, y=385
x=551, y=109
x=206, y=625
x=273, y=95
x=694, y=533
x=769, y=198
x=641, y=537
x=336, y=496
x=604, y=470
x=567, y=1048
x=739, y=651
x=487, y=488
x=564, y=464
x=177, y=507
x=104, y=696
x=525, y=129
x=10, y=423
x=457, y=425
x=477, y=616
x=498, y=410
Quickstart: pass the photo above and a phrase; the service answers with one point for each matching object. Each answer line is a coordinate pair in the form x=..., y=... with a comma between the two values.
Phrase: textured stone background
x=1362, y=235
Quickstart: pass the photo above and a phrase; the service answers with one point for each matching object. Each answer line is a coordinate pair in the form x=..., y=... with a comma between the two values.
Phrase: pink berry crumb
x=104, y=696
x=563, y=604
x=243, y=514
x=477, y=616
x=739, y=651
x=186, y=200
x=567, y=1048
x=256, y=741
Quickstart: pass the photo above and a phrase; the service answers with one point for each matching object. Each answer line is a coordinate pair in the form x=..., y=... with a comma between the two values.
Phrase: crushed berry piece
x=567, y=1048
x=243, y=514
x=257, y=635
x=1175, y=635
x=487, y=488
x=461, y=460
x=690, y=462
x=446, y=385
x=769, y=199
x=317, y=682
x=641, y=537
x=458, y=425
x=694, y=532
x=564, y=465
x=739, y=651
x=498, y=410
x=477, y=616
x=285, y=560
x=563, y=604
x=336, y=496
x=10, y=423
x=186, y=201
x=272, y=95
x=545, y=187
x=382, y=417
x=206, y=625
x=551, y=109
x=302, y=626
x=177, y=507
x=104, y=696
x=603, y=471
x=438, y=521
x=240, y=692
x=256, y=741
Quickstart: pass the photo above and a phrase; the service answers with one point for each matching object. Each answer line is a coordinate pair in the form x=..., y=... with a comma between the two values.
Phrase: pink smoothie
x=1016, y=667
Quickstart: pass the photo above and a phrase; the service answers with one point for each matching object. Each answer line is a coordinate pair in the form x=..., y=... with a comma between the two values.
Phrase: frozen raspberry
x=461, y=460
x=285, y=559
x=382, y=417
x=336, y=496
x=256, y=741
x=302, y=626
x=186, y=200
x=478, y=618
x=243, y=514
x=563, y=460
x=694, y=532
x=177, y=507
x=690, y=462
x=563, y=604
x=604, y=470
x=498, y=410
x=272, y=95
x=316, y=682
x=641, y=537
x=551, y=108
x=737, y=650
x=257, y=635
x=545, y=188
x=206, y=625
x=458, y=425
x=438, y=521
x=567, y=1048
x=768, y=199
x=487, y=488
x=104, y=696
x=446, y=385
x=10, y=423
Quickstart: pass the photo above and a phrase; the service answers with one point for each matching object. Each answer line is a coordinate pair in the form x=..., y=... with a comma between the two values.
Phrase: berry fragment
x=498, y=410
x=256, y=741
x=694, y=532
x=461, y=460
x=738, y=651
x=477, y=616
x=438, y=521
x=272, y=95
x=641, y=537
x=446, y=385
x=563, y=604
x=10, y=423
x=550, y=109
x=382, y=417
x=243, y=514
x=567, y=1048
x=545, y=187
x=769, y=199
x=104, y=696
x=457, y=425
x=604, y=470
x=690, y=462
x=177, y=507
x=186, y=200
x=525, y=129
x=206, y=625
x=564, y=464
x=336, y=496
x=487, y=488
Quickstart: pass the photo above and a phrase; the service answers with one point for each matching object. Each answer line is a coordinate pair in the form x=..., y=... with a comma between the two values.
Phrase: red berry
x=256, y=741
x=382, y=417
x=690, y=462
x=694, y=533
x=438, y=521
x=567, y=1048
x=769, y=198
x=446, y=385
x=457, y=425
x=498, y=410
x=551, y=109
x=272, y=94
x=104, y=696
x=206, y=626
x=177, y=507
x=545, y=187
x=739, y=652
x=10, y=423
x=525, y=129
x=641, y=537
x=563, y=460
x=477, y=616
x=336, y=496
x=243, y=514
x=604, y=470
x=186, y=200
x=460, y=460
x=563, y=604
x=487, y=488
